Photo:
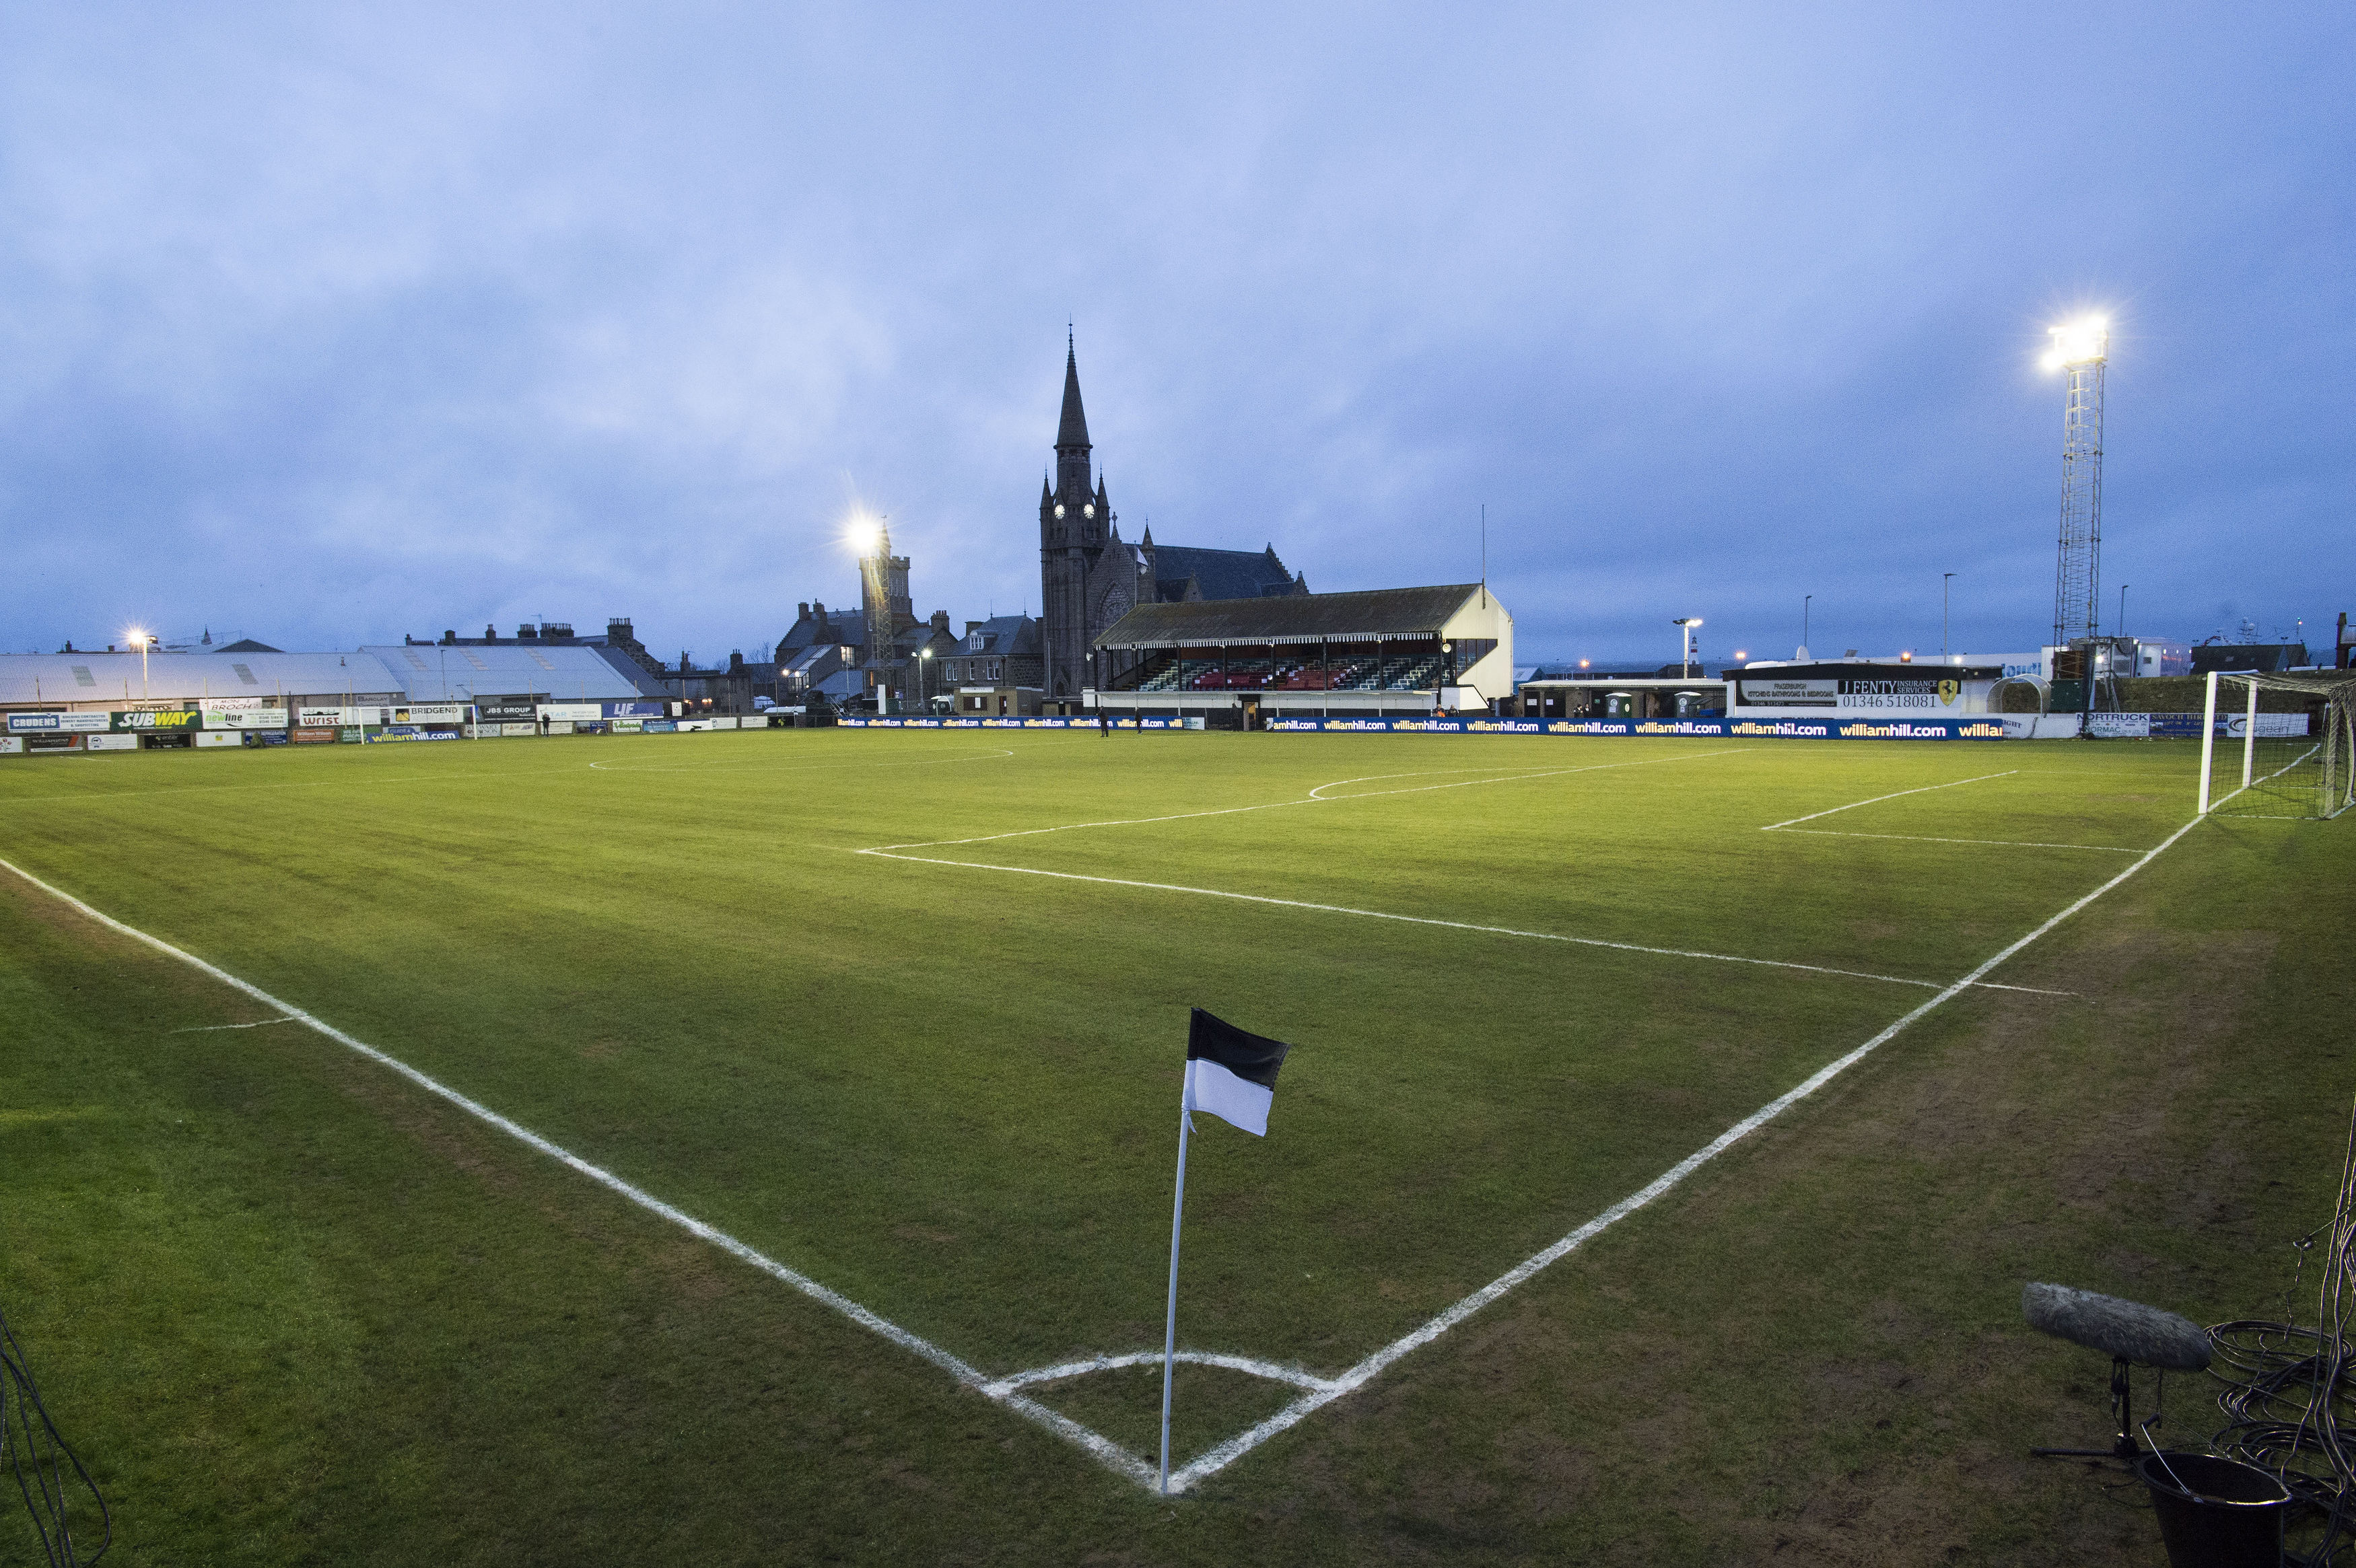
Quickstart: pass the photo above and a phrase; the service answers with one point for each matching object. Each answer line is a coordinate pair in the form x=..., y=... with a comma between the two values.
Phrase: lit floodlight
x=135, y=637
x=2081, y=342
x=864, y=536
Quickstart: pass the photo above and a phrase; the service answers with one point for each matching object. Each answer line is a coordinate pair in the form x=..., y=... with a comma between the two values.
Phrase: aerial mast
x=2080, y=351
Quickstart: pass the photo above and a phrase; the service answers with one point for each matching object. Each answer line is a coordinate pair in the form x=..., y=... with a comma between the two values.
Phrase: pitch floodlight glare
x=863, y=536
x=2079, y=342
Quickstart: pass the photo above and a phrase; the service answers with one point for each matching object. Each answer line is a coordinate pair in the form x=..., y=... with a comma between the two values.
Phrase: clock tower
x=1088, y=577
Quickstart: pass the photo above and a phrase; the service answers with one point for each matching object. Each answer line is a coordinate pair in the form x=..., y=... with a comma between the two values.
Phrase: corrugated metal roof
x=431, y=672
x=182, y=677
x=1296, y=618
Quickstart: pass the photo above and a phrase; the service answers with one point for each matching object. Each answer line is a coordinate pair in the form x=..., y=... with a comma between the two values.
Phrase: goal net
x=2278, y=745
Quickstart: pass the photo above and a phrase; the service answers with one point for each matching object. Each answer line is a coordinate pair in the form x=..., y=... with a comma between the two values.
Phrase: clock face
x=1059, y=510
x=1089, y=510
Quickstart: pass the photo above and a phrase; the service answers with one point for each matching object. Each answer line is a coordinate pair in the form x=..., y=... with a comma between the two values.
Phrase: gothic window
x=1111, y=608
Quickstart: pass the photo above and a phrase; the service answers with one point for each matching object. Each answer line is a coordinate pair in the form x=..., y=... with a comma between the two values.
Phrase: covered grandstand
x=96, y=682
x=1390, y=650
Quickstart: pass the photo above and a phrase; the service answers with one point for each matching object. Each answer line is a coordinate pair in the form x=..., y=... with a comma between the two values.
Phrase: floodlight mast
x=2080, y=351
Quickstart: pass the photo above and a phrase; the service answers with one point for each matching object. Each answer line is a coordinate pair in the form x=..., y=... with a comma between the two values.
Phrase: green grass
x=295, y=1309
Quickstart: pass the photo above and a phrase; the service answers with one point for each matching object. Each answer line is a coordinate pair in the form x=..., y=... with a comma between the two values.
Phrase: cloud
x=345, y=323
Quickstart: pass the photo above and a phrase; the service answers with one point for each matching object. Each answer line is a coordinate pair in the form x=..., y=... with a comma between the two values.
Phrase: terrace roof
x=1380, y=613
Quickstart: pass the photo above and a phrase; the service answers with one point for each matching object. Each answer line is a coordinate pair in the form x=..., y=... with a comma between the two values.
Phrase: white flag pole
x=1170, y=1329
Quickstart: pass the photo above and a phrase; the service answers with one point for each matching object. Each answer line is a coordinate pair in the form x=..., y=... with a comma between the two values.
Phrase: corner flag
x=1230, y=1073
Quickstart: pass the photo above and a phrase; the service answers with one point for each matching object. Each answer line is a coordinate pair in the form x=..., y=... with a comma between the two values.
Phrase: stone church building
x=1090, y=577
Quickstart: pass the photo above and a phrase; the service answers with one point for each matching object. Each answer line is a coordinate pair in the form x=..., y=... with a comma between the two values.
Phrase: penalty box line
x=1234, y=1449
x=1454, y=924
x=1793, y=826
x=1095, y=1444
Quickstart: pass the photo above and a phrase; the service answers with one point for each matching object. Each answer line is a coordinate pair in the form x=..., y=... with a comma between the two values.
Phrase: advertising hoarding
x=152, y=721
x=58, y=724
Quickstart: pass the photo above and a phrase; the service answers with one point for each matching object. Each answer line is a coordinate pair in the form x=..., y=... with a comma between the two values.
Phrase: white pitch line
x=216, y=1028
x=1057, y=1373
x=1096, y=1443
x=796, y=767
x=1312, y=798
x=1235, y=1447
x=1925, y=838
x=1852, y=806
x=1427, y=920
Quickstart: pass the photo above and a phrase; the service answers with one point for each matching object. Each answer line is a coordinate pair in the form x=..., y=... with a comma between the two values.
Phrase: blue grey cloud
x=326, y=326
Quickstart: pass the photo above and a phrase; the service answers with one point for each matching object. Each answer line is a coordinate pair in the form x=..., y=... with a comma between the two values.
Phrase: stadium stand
x=1245, y=661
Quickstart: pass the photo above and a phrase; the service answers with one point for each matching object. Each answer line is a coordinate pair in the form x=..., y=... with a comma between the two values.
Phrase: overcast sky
x=327, y=325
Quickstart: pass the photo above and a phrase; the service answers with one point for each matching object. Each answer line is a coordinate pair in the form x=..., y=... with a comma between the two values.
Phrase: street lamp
x=1689, y=623
x=924, y=660
x=146, y=640
x=1805, y=600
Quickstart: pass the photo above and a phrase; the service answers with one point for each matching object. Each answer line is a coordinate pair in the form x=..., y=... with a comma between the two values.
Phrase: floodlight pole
x=1946, y=580
x=2082, y=354
x=1170, y=1324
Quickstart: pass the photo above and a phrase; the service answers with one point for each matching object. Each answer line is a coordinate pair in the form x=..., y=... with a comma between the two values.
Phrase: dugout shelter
x=1239, y=663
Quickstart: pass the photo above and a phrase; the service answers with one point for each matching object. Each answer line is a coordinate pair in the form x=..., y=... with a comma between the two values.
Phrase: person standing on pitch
x=1104, y=720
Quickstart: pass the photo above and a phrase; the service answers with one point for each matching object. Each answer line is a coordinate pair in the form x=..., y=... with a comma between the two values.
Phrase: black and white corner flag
x=1230, y=1073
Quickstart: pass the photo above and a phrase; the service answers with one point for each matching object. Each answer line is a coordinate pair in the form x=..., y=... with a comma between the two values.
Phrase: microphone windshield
x=2142, y=1334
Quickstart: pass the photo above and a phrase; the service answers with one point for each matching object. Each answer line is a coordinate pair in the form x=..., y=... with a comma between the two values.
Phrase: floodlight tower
x=2080, y=351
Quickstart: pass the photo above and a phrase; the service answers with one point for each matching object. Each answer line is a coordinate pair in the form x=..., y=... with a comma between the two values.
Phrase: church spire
x=1074, y=431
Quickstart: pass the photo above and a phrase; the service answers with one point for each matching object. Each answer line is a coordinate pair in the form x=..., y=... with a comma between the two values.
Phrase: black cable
x=2288, y=1387
x=38, y=1456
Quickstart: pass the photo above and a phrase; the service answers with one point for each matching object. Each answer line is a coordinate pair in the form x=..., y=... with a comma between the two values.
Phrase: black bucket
x=2215, y=1513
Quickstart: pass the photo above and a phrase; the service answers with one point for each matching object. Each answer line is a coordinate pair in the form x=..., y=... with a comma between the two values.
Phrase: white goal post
x=2289, y=757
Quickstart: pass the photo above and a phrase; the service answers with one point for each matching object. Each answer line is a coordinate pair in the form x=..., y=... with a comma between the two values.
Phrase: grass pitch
x=292, y=1306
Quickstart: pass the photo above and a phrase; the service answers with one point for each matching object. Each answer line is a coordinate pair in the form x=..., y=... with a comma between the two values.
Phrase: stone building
x=1090, y=577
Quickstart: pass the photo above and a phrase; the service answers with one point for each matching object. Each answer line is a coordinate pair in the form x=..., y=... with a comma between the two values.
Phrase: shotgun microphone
x=2126, y=1329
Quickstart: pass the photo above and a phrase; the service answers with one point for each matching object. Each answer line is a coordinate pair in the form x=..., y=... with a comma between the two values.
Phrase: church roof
x=1073, y=430
x=1293, y=618
x=1219, y=573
